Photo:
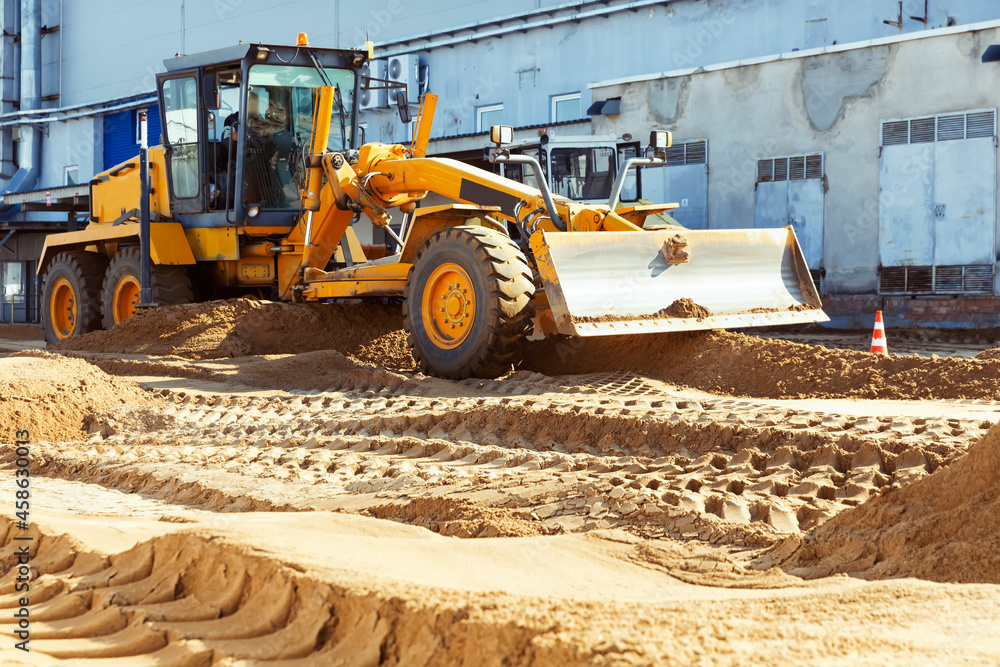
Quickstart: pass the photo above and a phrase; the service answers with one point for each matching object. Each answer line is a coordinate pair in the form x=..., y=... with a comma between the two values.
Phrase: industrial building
x=868, y=126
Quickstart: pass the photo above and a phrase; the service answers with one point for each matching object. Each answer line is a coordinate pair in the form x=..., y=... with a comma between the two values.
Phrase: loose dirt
x=741, y=365
x=308, y=507
x=326, y=589
x=686, y=308
x=945, y=527
x=52, y=396
x=716, y=361
x=243, y=327
x=21, y=332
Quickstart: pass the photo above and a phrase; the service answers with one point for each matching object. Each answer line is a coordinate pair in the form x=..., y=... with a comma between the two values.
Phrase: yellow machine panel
x=213, y=244
x=113, y=192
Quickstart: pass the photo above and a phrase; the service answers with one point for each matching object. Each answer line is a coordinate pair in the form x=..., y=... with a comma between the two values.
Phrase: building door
x=683, y=181
x=937, y=204
x=13, y=292
x=790, y=191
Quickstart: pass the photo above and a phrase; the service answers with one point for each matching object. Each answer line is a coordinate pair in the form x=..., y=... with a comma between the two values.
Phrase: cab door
x=183, y=141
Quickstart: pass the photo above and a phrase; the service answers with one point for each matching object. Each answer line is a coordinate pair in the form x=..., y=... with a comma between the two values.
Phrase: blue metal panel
x=771, y=205
x=121, y=134
x=805, y=212
x=965, y=183
x=906, y=198
x=686, y=185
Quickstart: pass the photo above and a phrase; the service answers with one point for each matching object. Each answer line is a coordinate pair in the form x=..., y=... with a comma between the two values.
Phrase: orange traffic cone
x=878, y=336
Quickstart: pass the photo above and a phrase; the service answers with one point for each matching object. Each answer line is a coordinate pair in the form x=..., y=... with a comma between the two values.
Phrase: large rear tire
x=468, y=304
x=71, y=296
x=170, y=285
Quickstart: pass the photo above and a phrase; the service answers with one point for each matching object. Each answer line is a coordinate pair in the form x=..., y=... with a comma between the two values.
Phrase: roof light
x=303, y=39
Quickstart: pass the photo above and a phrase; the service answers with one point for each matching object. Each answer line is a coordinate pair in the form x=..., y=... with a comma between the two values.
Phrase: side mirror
x=403, y=106
x=212, y=92
x=502, y=134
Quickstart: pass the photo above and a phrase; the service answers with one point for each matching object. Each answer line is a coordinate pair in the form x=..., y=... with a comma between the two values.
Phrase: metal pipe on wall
x=29, y=150
x=9, y=81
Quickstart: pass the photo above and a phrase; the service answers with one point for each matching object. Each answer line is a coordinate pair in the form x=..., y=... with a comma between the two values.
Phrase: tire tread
x=510, y=308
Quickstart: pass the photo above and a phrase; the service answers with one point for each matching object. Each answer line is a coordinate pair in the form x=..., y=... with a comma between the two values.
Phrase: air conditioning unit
x=377, y=97
x=403, y=69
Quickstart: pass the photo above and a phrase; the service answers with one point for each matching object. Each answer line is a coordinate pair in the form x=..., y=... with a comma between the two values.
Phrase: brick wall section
x=858, y=310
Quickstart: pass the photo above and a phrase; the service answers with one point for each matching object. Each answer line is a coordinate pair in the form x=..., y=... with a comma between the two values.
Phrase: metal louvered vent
x=781, y=169
x=920, y=279
x=947, y=127
x=692, y=152
x=948, y=279
x=675, y=156
x=922, y=130
x=814, y=166
x=951, y=127
x=765, y=171
x=796, y=168
x=978, y=279
x=961, y=279
x=981, y=124
x=896, y=132
x=696, y=152
x=892, y=280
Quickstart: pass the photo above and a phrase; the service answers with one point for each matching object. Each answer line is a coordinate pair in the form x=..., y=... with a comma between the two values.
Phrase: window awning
x=606, y=107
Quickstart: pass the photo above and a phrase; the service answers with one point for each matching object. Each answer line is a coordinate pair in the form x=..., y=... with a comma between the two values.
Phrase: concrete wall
x=832, y=103
x=114, y=48
x=524, y=70
x=111, y=49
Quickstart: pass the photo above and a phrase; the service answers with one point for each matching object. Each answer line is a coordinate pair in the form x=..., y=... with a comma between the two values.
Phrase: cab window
x=180, y=105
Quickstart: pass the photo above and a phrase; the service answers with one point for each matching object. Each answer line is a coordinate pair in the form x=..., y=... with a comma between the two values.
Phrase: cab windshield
x=583, y=173
x=279, y=117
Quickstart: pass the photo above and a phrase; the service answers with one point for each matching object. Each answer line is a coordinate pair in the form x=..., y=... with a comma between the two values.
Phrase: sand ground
x=200, y=498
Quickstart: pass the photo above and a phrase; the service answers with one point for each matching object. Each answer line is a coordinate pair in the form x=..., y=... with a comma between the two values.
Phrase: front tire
x=170, y=285
x=71, y=297
x=468, y=304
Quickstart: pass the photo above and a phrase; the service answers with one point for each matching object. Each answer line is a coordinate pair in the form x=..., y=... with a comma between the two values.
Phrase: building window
x=72, y=175
x=488, y=116
x=565, y=107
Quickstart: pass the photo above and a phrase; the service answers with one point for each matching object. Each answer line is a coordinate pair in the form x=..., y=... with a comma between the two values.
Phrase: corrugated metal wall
x=120, y=135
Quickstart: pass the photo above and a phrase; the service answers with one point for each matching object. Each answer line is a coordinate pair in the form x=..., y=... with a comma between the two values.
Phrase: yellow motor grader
x=262, y=180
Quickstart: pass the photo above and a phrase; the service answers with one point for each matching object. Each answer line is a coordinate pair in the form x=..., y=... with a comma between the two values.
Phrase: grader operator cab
x=262, y=175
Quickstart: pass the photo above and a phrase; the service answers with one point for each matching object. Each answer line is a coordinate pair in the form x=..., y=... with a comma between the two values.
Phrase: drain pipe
x=29, y=150
x=10, y=70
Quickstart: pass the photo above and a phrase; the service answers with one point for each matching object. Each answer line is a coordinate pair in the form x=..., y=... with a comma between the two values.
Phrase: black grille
x=956, y=279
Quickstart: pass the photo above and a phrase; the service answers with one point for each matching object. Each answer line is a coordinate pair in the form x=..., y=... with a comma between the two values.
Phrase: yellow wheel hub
x=125, y=299
x=63, y=309
x=448, y=306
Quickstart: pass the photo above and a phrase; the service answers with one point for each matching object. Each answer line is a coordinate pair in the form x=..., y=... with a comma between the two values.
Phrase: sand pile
x=458, y=518
x=717, y=361
x=52, y=396
x=945, y=527
x=242, y=327
x=686, y=308
x=737, y=364
x=21, y=332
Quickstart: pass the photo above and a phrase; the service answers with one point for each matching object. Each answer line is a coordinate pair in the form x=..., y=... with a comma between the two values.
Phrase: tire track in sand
x=555, y=454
